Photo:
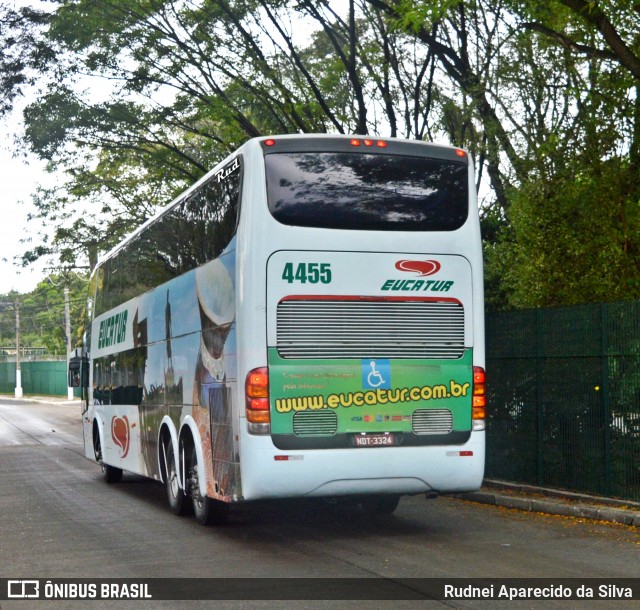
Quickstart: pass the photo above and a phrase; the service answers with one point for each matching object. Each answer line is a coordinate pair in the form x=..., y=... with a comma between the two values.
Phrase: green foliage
x=417, y=14
x=543, y=96
x=42, y=314
x=497, y=244
x=573, y=235
x=576, y=237
x=25, y=53
x=183, y=84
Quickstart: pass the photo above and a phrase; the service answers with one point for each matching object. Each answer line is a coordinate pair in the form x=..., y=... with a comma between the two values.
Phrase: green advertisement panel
x=420, y=401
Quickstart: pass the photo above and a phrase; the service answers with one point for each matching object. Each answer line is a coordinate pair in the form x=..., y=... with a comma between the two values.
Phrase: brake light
x=460, y=152
x=256, y=389
x=368, y=142
x=479, y=398
x=269, y=142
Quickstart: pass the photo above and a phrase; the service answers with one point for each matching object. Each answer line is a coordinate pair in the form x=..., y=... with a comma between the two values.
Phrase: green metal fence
x=564, y=398
x=47, y=377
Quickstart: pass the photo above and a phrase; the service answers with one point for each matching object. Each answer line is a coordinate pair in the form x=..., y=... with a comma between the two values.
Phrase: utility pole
x=18, y=393
x=67, y=318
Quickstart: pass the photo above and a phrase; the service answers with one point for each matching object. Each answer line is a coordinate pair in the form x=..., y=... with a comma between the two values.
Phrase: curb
x=47, y=400
x=554, y=507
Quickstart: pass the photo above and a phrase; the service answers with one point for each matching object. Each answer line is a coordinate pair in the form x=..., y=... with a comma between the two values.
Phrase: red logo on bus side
x=121, y=434
x=422, y=268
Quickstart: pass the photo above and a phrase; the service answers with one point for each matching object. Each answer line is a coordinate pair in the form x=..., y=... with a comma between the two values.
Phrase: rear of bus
x=360, y=320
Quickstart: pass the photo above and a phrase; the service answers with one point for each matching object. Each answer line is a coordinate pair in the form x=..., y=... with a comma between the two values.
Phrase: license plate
x=374, y=440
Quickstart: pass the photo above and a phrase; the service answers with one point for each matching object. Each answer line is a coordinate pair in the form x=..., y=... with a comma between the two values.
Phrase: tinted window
x=367, y=191
x=194, y=231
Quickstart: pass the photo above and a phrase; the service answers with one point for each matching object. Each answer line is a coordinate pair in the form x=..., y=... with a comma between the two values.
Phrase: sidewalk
x=50, y=400
x=556, y=502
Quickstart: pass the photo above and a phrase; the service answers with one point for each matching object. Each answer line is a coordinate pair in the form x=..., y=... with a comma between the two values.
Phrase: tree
x=25, y=52
x=186, y=83
x=606, y=31
x=541, y=95
x=561, y=109
x=575, y=228
x=614, y=20
x=42, y=317
x=466, y=48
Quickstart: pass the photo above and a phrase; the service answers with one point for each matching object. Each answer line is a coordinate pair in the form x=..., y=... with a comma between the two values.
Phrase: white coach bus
x=305, y=321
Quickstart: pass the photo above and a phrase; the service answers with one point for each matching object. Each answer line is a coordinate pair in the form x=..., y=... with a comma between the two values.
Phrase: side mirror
x=78, y=370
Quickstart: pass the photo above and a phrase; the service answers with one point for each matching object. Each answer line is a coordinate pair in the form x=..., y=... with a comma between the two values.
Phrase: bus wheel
x=110, y=474
x=177, y=499
x=207, y=510
x=381, y=505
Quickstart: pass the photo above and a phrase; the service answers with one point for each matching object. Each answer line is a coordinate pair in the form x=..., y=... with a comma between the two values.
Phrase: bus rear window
x=367, y=191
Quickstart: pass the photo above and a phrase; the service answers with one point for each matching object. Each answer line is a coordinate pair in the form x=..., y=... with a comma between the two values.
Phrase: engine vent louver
x=318, y=423
x=432, y=421
x=323, y=328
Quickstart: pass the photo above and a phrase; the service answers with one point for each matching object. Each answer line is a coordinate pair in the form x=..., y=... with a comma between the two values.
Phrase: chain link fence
x=564, y=398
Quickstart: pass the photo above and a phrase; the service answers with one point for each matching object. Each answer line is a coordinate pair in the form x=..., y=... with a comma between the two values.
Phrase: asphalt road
x=61, y=520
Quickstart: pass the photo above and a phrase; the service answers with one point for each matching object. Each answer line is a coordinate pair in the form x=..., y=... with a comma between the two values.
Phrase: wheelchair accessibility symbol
x=376, y=374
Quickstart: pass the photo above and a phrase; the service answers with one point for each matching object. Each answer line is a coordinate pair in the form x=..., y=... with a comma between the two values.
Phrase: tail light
x=368, y=142
x=256, y=389
x=479, y=404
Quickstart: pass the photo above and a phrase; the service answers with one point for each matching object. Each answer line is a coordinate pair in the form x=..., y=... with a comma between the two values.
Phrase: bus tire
x=111, y=474
x=206, y=510
x=178, y=502
x=380, y=505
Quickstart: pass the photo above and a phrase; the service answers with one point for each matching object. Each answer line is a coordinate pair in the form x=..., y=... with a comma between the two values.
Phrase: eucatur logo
x=121, y=434
x=421, y=268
